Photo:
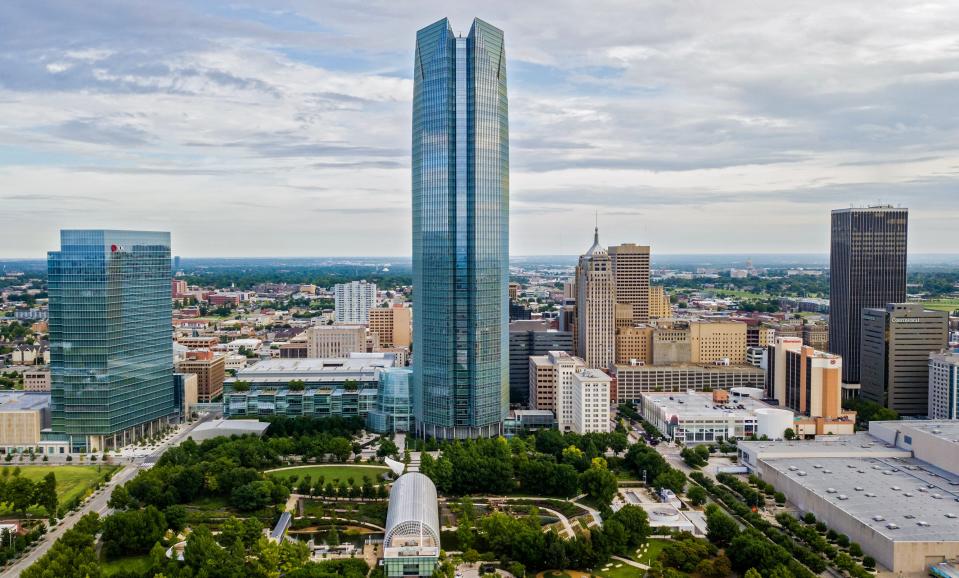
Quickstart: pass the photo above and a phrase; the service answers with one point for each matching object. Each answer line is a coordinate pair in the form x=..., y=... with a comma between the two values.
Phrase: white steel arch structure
x=413, y=518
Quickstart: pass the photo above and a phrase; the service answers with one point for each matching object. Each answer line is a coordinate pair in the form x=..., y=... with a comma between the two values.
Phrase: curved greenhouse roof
x=413, y=517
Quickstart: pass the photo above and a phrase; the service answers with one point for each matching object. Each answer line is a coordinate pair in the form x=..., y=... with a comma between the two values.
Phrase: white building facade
x=590, y=401
x=944, y=385
x=354, y=301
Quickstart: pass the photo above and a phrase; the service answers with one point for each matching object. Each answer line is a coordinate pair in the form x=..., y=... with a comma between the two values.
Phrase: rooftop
x=24, y=400
x=311, y=365
x=700, y=405
x=900, y=498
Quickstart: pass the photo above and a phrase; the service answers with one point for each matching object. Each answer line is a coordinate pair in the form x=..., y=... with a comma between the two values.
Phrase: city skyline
x=628, y=120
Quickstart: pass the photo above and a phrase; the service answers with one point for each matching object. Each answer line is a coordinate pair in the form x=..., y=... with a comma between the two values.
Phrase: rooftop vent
x=861, y=471
x=827, y=471
x=937, y=496
x=896, y=488
x=908, y=494
x=878, y=518
x=892, y=526
x=793, y=468
x=831, y=490
x=817, y=466
x=951, y=515
x=859, y=488
x=800, y=473
x=850, y=466
x=870, y=495
x=910, y=517
x=843, y=497
x=923, y=524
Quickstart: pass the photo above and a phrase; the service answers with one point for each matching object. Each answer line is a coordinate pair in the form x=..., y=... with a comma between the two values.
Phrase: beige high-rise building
x=634, y=344
x=808, y=382
x=715, y=341
x=335, y=340
x=393, y=325
x=631, y=272
x=596, y=307
x=624, y=316
x=659, y=305
x=551, y=384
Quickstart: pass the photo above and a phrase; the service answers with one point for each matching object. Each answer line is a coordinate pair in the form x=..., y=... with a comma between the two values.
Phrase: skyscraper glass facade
x=460, y=231
x=111, y=346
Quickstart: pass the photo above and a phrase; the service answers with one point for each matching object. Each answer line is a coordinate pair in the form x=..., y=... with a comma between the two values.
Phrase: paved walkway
x=632, y=563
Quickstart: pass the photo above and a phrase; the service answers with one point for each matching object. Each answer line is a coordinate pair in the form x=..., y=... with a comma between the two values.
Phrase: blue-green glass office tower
x=460, y=232
x=111, y=346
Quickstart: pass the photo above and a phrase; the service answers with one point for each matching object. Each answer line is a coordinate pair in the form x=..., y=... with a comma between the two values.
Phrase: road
x=98, y=502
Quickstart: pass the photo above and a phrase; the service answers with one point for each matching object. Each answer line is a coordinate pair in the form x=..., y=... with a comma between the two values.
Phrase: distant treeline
x=245, y=277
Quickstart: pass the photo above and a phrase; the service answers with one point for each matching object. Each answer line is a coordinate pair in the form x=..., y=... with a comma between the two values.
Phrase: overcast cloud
x=283, y=128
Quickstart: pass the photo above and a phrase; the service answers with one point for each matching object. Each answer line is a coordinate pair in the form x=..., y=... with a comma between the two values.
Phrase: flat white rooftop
x=900, y=498
x=700, y=405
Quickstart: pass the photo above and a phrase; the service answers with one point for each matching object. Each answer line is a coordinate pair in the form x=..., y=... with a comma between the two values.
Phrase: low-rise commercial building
x=894, y=491
x=703, y=417
x=315, y=402
x=22, y=416
x=634, y=380
x=356, y=369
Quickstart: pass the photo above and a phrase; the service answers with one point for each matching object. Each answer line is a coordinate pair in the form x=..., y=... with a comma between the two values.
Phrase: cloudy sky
x=283, y=128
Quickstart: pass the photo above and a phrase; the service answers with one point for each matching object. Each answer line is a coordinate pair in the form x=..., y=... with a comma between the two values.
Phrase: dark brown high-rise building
x=867, y=265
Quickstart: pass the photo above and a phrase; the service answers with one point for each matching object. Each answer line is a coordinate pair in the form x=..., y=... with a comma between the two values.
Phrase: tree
x=752, y=573
x=46, y=494
x=855, y=550
x=387, y=448
x=296, y=385
x=720, y=528
x=635, y=522
x=697, y=495
x=672, y=479
x=780, y=498
x=869, y=562
x=789, y=433
x=176, y=516
x=132, y=531
x=600, y=484
x=20, y=493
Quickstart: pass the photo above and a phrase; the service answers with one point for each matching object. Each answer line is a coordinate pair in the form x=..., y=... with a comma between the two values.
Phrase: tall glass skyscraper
x=111, y=343
x=460, y=231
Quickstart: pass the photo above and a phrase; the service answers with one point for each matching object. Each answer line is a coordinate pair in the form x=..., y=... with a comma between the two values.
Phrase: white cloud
x=285, y=130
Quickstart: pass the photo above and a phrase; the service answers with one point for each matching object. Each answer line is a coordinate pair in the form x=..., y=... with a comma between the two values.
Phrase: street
x=98, y=502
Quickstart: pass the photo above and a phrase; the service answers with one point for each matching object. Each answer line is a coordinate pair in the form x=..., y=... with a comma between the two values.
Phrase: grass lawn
x=333, y=473
x=72, y=481
x=137, y=564
x=647, y=558
x=949, y=305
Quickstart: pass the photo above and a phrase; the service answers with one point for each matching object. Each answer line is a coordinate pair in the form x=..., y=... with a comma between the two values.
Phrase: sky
x=283, y=128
